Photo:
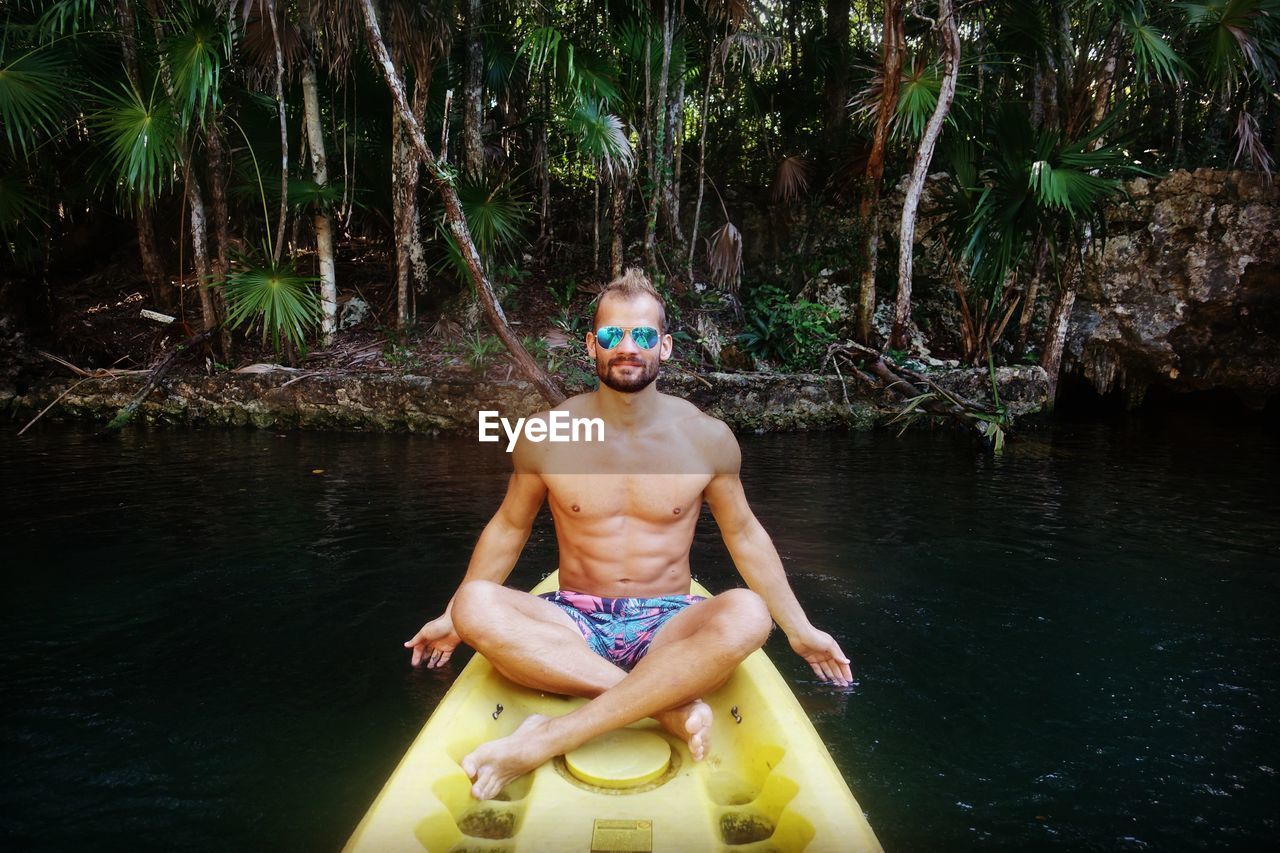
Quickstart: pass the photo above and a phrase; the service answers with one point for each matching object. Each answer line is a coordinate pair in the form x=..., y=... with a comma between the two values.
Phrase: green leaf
x=32, y=97
x=602, y=138
x=261, y=290
x=141, y=140
x=304, y=192
x=196, y=50
x=1152, y=54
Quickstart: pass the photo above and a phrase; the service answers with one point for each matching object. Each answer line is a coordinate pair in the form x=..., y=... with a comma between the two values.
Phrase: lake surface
x=1073, y=646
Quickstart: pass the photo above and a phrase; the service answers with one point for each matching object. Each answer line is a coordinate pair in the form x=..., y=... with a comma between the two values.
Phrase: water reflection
x=1071, y=645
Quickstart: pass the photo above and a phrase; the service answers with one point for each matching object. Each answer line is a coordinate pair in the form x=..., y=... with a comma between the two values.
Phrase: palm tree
x=454, y=213
x=950, y=31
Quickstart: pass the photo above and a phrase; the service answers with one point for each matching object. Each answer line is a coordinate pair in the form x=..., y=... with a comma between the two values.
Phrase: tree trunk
x=835, y=86
x=148, y=250
x=677, y=159
x=617, y=205
x=195, y=198
x=1102, y=102
x=417, y=251
x=472, y=94
x=1029, y=301
x=869, y=209
x=920, y=170
x=702, y=159
x=404, y=191
x=320, y=174
x=658, y=171
x=1055, y=335
x=670, y=201
x=218, y=263
x=200, y=250
x=1056, y=338
x=284, y=133
x=453, y=212
x=595, y=225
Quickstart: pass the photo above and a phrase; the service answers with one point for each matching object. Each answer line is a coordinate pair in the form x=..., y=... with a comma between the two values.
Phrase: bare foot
x=692, y=724
x=493, y=765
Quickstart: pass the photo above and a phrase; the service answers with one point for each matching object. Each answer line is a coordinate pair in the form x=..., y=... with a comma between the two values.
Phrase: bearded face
x=626, y=373
x=628, y=368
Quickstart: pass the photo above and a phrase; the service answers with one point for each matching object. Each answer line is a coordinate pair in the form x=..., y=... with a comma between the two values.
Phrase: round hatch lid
x=623, y=758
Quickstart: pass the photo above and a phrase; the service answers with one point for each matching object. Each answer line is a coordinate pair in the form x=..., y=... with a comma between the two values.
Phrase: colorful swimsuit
x=619, y=629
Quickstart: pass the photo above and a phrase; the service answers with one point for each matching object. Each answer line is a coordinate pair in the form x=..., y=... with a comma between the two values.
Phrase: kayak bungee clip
x=733, y=712
x=497, y=712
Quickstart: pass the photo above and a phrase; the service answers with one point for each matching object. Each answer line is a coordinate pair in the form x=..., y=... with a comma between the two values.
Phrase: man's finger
x=846, y=671
x=817, y=671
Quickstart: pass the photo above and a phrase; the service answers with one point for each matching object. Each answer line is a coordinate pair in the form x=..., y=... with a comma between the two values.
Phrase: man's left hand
x=823, y=655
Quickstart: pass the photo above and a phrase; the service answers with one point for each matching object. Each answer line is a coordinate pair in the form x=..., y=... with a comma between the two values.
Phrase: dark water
x=1071, y=647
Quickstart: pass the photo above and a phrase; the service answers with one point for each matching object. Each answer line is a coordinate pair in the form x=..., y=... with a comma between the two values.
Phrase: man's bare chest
x=652, y=498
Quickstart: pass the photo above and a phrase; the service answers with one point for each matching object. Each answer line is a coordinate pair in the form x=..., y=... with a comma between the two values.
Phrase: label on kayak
x=622, y=836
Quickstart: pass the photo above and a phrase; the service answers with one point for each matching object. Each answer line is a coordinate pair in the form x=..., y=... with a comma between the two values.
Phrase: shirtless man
x=623, y=631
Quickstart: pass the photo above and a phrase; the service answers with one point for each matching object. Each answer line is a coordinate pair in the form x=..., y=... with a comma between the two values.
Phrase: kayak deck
x=767, y=783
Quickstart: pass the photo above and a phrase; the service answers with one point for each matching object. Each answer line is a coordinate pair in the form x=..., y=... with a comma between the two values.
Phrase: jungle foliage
x=709, y=141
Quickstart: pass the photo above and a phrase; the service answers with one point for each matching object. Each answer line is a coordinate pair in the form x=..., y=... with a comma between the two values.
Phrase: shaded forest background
x=285, y=175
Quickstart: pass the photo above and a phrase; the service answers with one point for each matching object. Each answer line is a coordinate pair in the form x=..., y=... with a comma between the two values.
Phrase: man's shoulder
x=576, y=405
x=695, y=418
x=707, y=431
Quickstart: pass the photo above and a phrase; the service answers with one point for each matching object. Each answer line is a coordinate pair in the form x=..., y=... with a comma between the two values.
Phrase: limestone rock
x=1185, y=290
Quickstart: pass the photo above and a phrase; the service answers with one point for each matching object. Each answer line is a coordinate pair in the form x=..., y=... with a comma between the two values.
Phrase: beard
x=636, y=381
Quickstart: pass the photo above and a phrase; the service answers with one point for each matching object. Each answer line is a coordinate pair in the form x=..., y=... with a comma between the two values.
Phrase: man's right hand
x=434, y=643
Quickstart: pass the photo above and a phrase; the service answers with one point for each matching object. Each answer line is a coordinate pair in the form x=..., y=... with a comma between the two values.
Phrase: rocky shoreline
x=361, y=401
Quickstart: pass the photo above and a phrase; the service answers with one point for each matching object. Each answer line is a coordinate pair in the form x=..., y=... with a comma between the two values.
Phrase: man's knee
x=473, y=608
x=747, y=616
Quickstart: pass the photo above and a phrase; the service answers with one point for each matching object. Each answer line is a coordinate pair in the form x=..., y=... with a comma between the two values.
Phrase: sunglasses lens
x=646, y=337
x=609, y=337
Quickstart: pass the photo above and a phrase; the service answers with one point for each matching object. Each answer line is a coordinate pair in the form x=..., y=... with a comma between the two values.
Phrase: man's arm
x=494, y=556
x=758, y=562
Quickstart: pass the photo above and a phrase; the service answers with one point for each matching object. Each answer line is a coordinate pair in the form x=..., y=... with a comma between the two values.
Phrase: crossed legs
x=533, y=643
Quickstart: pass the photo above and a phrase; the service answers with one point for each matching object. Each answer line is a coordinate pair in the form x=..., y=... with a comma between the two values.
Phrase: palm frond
x=67, y=16
x=32, y=96
x=1249, y=142
x=724, y=256
x=1153, y=56
x=495, y=216
x=732, y=12
x=1233, y=38
x=19, y=210
x=304, y=193
x=273, y=293
x=753, y=51
x=197, y=49
x=602, y=138
x=141, y=140
x=791, y=180
x=917, y=98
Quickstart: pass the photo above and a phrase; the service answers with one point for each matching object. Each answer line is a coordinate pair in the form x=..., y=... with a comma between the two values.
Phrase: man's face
x=627, y=367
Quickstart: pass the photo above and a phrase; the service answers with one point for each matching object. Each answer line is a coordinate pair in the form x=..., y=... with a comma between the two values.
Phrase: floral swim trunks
x=619, y=629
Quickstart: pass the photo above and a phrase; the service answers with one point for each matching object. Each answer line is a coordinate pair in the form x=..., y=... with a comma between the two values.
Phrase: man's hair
x=629, y=285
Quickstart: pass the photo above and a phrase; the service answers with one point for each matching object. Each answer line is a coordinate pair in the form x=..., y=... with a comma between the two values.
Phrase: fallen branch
x=96, y=373
x=936, y=400
x=73, y=387
x=157, y=373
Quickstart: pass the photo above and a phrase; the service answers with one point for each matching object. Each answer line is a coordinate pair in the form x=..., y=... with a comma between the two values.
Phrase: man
x=622, y=631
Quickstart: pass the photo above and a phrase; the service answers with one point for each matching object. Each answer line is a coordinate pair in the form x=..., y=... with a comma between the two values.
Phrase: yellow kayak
x=767, y=783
